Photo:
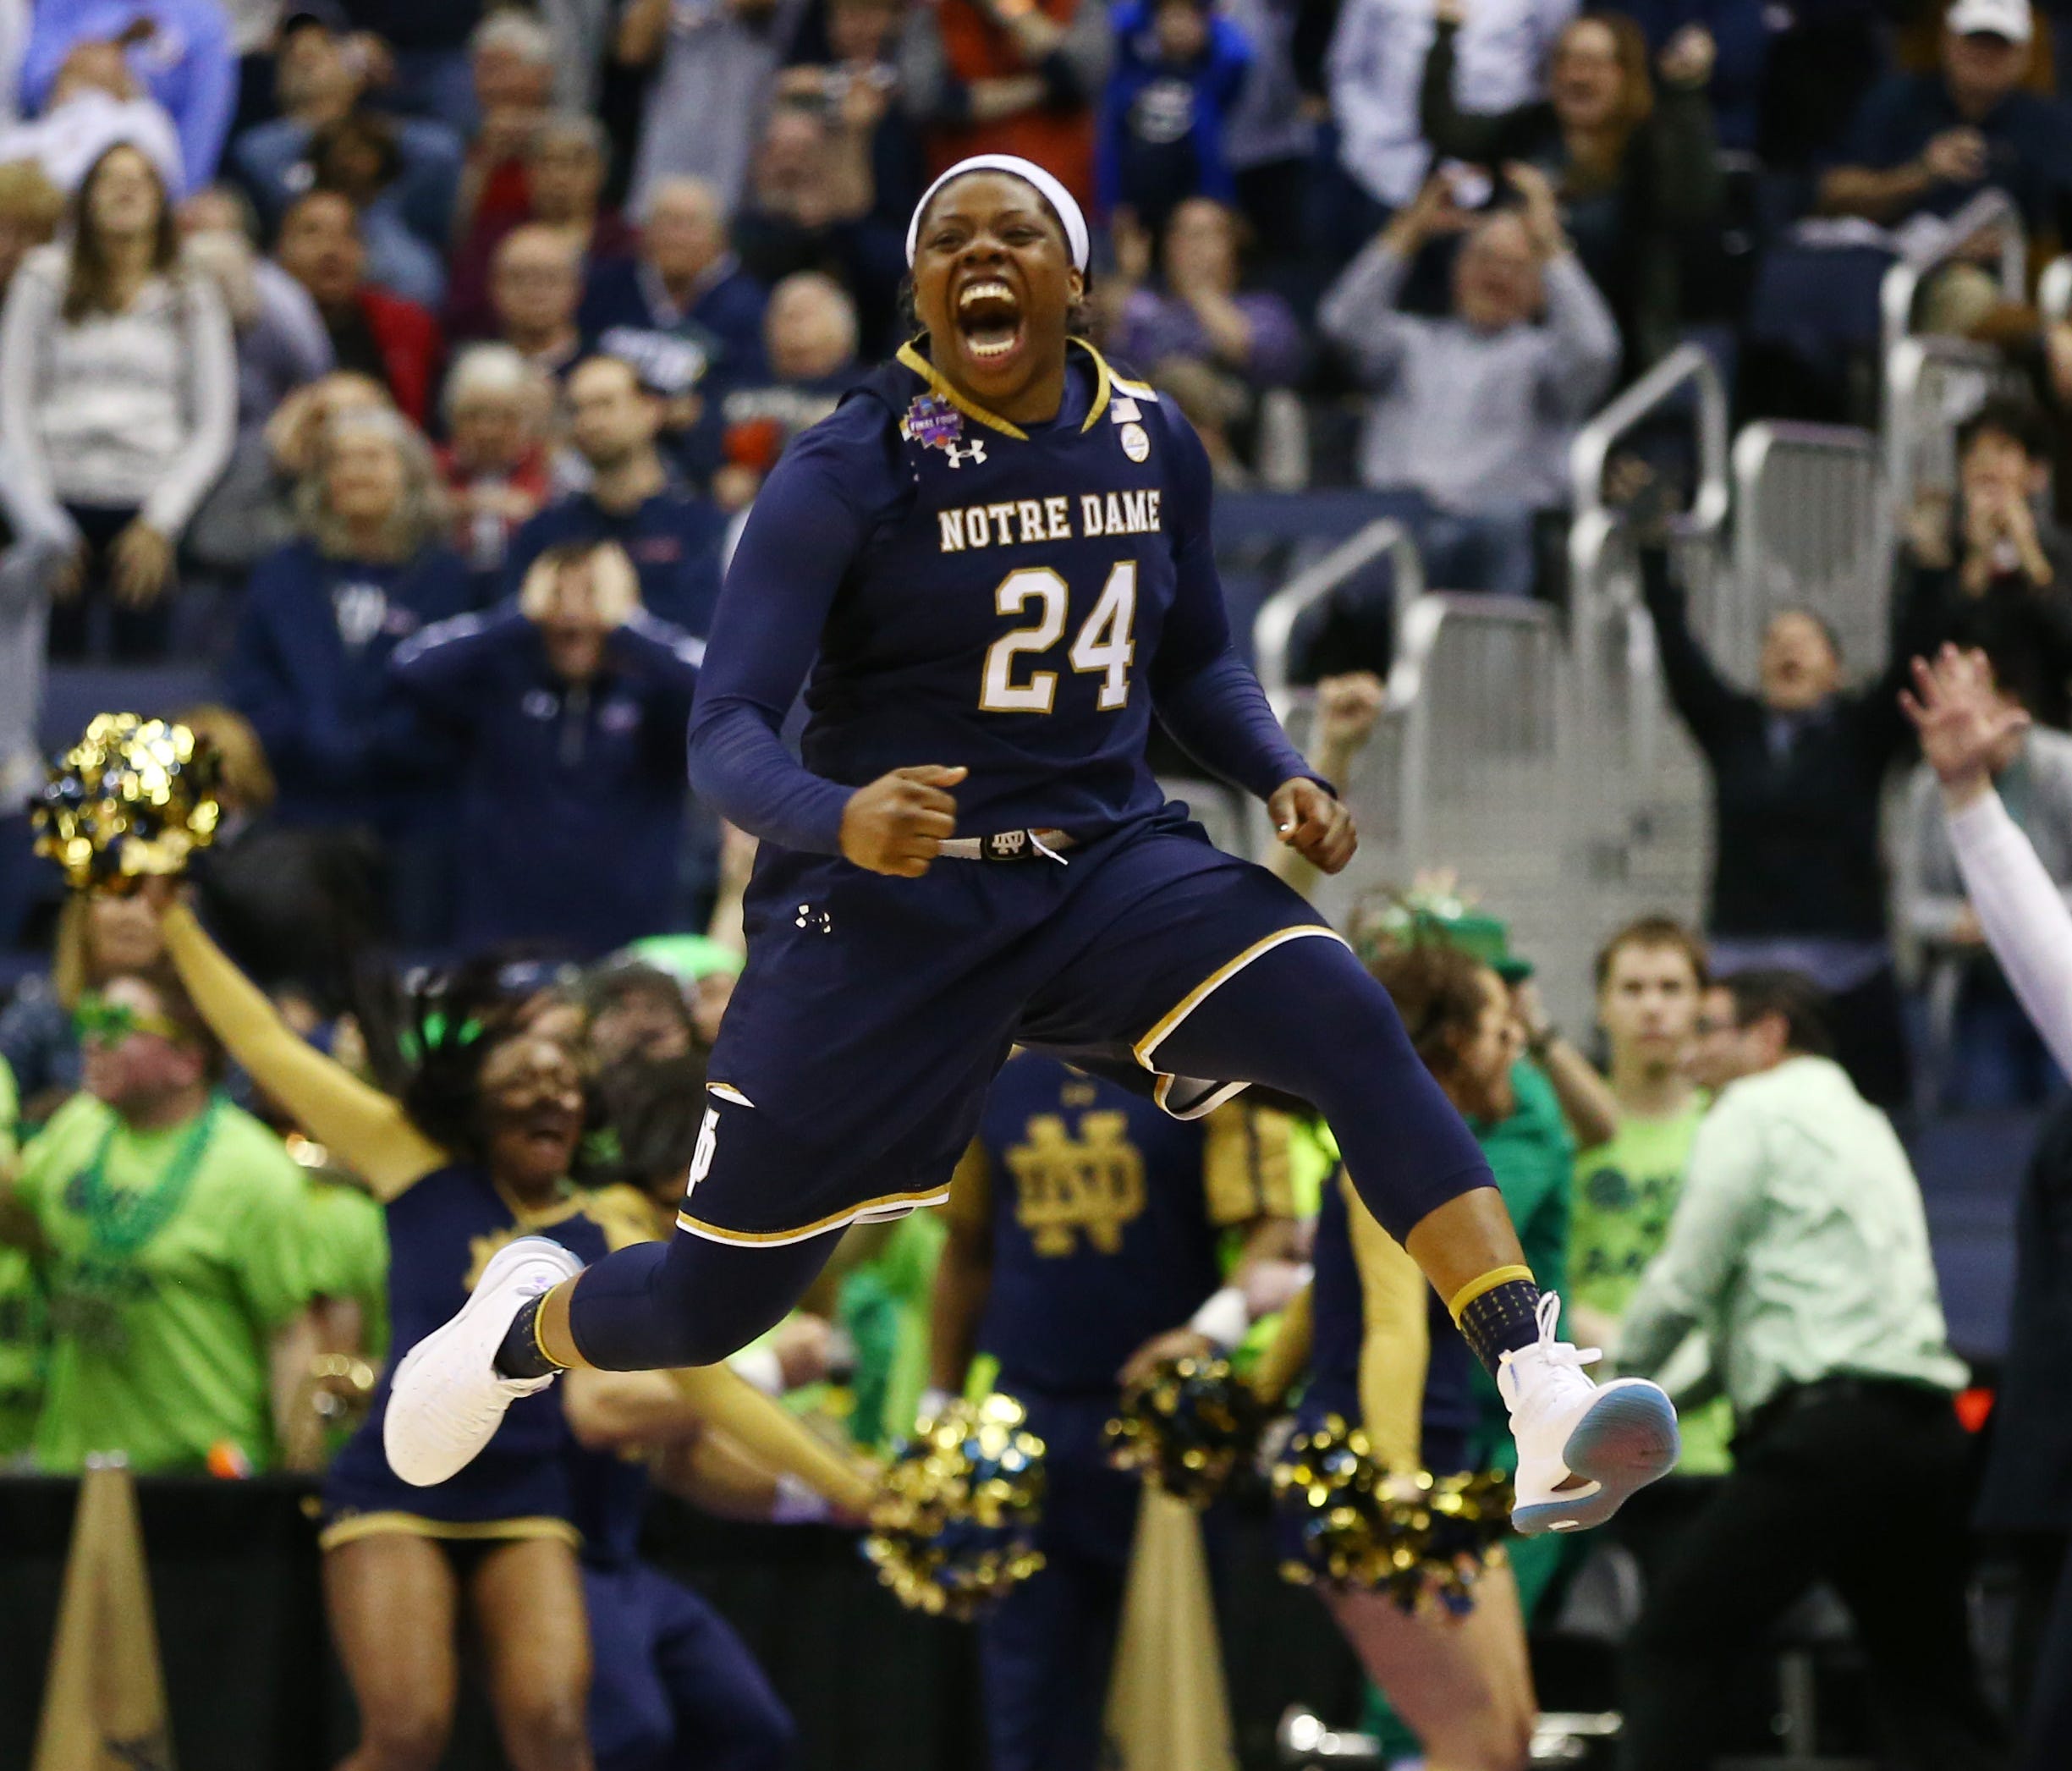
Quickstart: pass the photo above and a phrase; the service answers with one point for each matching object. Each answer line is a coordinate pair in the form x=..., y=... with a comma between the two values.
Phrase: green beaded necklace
x=121, y=1220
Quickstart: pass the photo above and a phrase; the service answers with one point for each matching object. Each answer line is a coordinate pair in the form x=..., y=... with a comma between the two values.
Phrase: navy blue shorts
x=496, y=1496
x=853, y=1064
x=671, y=1683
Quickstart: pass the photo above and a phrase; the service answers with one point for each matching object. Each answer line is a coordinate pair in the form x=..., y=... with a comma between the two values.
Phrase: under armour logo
x=818, y=921
x=960, y=453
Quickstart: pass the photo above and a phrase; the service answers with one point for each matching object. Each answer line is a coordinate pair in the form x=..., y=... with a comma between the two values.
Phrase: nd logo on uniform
x=1092, y=1184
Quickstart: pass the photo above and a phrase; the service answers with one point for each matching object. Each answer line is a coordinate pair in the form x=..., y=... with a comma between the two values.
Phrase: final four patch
x=1136, y=442
x=932, y=422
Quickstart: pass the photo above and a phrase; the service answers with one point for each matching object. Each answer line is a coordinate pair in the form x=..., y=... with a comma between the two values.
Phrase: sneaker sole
x=499, y=1263
x=1627, y=1440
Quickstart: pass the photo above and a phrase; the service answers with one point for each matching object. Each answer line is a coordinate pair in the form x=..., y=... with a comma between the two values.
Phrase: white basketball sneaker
x=449, y=1399
x=1582, y=1447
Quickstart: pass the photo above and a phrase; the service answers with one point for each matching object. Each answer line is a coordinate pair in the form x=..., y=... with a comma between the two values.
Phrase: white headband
x=1046, y=187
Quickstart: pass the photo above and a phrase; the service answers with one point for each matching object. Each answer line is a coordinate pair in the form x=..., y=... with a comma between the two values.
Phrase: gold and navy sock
x=520, y=1354
x=1497, y=1313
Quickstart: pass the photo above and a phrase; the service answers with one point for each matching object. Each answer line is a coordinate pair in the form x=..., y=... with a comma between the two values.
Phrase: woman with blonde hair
x=309, y=664
x=119, y=399
x=98, y=938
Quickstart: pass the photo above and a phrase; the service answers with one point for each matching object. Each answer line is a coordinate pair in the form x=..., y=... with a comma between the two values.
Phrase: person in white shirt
x=1467, y=434
x=1963, y=726
x=95, y=103
x=1984, y=1051
x=1377, y=58
x=119, y=389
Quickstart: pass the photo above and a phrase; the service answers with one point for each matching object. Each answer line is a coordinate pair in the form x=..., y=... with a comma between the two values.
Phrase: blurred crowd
x=1364, y=244
x=402, y=372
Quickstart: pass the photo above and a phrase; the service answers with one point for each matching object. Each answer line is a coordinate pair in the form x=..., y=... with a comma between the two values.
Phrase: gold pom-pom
x=1184, y=1426
x=1423, y=1539
x=134, y=798
x=955, y=1526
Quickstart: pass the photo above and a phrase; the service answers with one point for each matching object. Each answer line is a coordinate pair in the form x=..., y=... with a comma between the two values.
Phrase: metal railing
x=1465, y=771
x=1932, y=385
x=1686, y=366
x=1273, y=629
x=1902, y=283
x=1623, y=744
x=1809, y=533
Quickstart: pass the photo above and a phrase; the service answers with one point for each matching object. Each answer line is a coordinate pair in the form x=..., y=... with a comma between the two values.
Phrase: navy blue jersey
x=1105, y=1215
x=309, y=667
x=1016, y=600
x=673, y=537
x=598, y=765
x=441, y=1232
x=630, y=315
x=1385, y=1353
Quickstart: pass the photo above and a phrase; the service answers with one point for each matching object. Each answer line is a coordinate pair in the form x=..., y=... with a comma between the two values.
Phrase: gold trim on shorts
x=887, y=1205
x=1146, y=1048
x=354, y=1526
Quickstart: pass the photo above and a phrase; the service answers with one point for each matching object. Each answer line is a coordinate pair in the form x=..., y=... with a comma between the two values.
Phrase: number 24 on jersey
x=1103, y=645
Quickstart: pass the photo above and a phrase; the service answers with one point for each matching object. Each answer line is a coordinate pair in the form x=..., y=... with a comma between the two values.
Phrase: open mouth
x=989, y=316
x=548, y=1131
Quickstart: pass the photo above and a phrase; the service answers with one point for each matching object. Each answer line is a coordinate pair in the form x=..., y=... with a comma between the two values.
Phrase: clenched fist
x=898, y=823
x=1313, y=823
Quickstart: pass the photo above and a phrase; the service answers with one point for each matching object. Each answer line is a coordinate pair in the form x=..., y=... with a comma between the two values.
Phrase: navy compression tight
x=1304, y=1018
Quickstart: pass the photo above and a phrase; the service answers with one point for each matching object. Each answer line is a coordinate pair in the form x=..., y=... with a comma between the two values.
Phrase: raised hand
x=1347, y=707
x=1431, y=212
x=1687, y=59
x=1542, y=210
x=1966, y=724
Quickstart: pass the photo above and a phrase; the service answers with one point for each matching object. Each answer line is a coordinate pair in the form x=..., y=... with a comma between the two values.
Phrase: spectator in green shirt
x=1800, y=1244
x=1650, y=977
x=21, y=1304
x=169, y=1228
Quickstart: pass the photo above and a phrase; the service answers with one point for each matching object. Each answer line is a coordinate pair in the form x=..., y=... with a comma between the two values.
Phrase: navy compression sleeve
x=1206, y=694
x=806, y=527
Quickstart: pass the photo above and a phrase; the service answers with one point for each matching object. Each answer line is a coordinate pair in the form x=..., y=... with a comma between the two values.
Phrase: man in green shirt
x=1800, y=1246
x=1649, y=977
x=170, y=1228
